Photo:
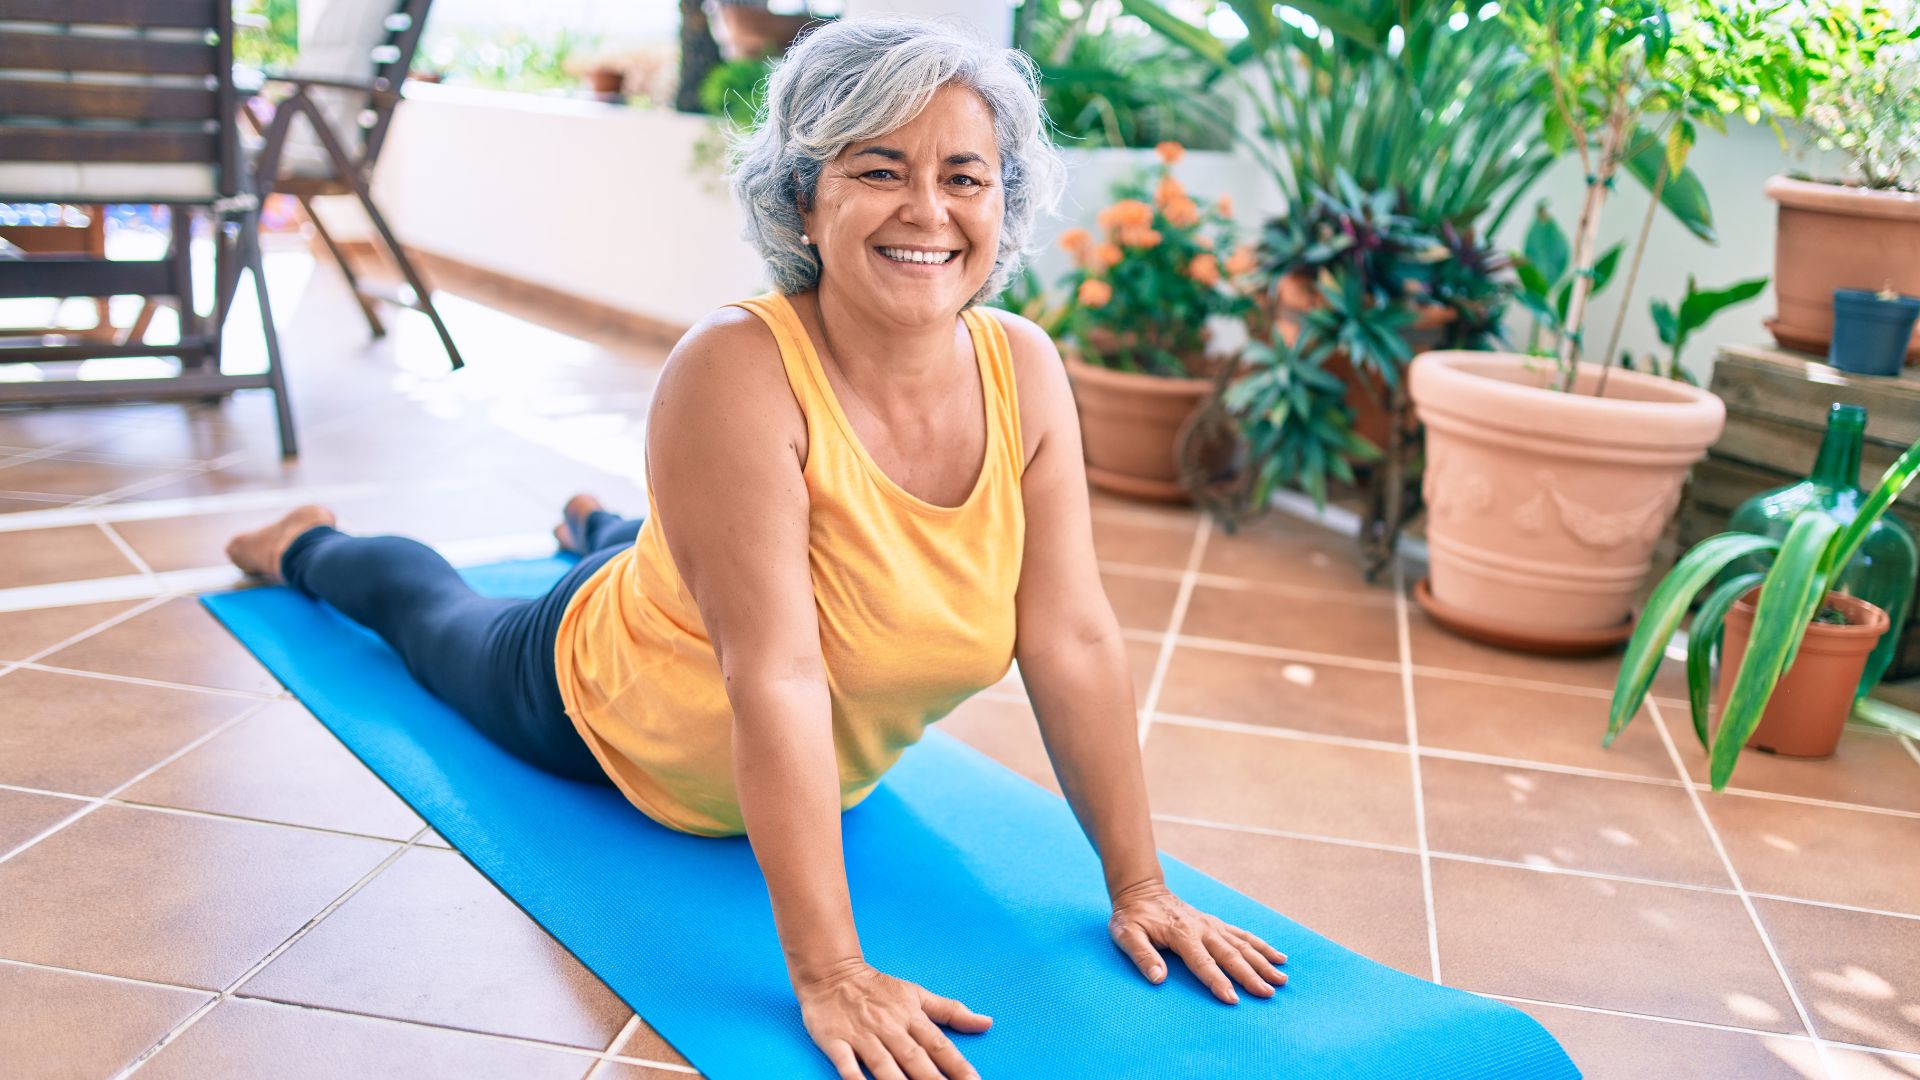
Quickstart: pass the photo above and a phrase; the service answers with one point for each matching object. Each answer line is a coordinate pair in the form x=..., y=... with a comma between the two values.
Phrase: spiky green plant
x=1806, y=565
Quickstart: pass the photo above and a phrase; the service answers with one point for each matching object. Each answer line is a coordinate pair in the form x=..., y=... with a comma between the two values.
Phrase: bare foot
x=572, y=530
x=258, y=552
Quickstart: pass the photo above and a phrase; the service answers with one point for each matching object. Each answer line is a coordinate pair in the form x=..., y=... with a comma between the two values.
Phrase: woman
x=866, y=497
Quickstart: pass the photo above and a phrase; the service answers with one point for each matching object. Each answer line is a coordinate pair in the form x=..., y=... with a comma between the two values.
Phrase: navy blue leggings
x=490, y=658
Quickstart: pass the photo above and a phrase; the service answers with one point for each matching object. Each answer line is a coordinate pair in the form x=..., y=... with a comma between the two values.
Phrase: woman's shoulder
x=724, y=367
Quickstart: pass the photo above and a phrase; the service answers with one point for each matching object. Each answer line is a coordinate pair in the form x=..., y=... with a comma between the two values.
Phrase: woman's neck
x=891, y=365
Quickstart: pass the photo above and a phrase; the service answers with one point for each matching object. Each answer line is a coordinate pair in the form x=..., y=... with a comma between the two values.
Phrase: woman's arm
x=725, y=468
x=1074, y=663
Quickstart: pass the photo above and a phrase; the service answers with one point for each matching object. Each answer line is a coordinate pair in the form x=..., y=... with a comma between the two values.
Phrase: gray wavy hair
x=849, y=81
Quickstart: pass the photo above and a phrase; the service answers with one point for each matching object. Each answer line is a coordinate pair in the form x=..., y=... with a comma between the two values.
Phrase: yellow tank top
x=915, y=604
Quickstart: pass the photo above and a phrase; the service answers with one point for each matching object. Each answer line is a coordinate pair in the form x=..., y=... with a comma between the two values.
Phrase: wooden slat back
x=105, y=101
x=151, y=146
x=189, y=14
x=128, y=55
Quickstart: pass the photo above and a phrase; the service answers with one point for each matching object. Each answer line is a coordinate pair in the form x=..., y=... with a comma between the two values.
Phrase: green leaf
x=1665, y=608
x=1682, y=194
x=1889, y=716
x=1258, y=19
x=1679, y=144
x=1604, y=266
x=1892, y=483
x=1793, y=590
x=1663, y=320
x=1545, y=247
x=1340, y=18
x=1178, y=30
x=1704, y=638
x=1700, y=306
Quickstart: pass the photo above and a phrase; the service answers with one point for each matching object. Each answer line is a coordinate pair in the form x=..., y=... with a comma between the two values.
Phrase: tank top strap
x=777, y=312
x=1003, y=406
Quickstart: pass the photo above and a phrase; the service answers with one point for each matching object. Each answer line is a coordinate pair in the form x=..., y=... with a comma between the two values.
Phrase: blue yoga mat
x=966, y=878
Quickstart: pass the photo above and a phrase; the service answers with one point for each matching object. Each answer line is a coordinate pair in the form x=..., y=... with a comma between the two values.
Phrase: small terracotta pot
x=1296, y=295
x=1832, y=236
x=606, y=82
x=1543, y=507
x=1128, y=423
x=1812, y=701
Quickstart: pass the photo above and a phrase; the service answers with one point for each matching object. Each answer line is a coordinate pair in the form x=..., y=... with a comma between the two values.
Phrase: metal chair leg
x=353, y=282
x=276, y=373
x=414, y=281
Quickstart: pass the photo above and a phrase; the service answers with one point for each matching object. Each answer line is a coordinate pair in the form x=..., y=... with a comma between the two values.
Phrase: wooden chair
x=130, y=101
x=324, y=137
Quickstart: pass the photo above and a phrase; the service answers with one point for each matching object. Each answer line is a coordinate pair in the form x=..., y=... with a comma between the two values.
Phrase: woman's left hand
x=1148, y=917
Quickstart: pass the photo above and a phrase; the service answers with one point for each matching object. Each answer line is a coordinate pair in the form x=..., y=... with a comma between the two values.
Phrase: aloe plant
x=1806, y=565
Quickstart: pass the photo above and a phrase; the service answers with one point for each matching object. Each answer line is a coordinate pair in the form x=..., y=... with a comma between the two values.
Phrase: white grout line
x=1404, y=634
x=1242, y=728
x=135, y=680
x=98, y=801
x=632, y=1025
x=187, y=506
x=126, y=549
x=1673, y=1020
x=220, y=578
x=1121, y=515
x=105, y=624
x=1160, y=664
x=1733, y=875
x=1912, y=752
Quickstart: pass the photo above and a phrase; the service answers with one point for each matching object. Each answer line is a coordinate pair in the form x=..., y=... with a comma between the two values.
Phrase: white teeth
x=903, y=255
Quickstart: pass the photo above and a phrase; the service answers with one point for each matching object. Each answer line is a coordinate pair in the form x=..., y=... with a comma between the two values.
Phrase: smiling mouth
x=915, y=257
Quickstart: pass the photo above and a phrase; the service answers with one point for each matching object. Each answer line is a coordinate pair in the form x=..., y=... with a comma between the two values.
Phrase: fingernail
x=1155, y=973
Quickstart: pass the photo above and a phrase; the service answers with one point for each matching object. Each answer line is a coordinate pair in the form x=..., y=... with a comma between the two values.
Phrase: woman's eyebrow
x=888, y=152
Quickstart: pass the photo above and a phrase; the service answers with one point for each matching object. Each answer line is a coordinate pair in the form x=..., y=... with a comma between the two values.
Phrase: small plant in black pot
x=1871, y=331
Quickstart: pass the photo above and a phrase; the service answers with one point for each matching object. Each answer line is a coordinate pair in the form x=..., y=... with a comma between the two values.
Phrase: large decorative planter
x=1544, y=507
x=1128, y=423
x=1296, y=295
x=1832, y=236
x=1811, y=702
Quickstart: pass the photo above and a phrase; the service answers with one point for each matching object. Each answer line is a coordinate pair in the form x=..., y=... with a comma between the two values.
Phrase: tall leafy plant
x=1805, y=566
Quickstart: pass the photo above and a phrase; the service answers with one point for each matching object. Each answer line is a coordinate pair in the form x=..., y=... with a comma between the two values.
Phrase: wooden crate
x=1777, y=404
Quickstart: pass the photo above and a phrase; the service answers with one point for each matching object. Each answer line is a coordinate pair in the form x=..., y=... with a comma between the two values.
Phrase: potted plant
x=1548, y=484
x=1390, y=180
x=1795, y=647
x=1871, y=331
x=1143, y=288
x=1860, y=230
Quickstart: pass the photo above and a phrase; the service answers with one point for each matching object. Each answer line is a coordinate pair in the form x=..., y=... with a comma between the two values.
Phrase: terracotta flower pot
x=1543, y=506
x=1832, y=236
x=1811, y=702
x=1296, y=295
x=1128, y=422
x=605, y=82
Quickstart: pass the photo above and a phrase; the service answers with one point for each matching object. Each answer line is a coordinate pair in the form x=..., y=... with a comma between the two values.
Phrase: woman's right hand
x=859, y=1014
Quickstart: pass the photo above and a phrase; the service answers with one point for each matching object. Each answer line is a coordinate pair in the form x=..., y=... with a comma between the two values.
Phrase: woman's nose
x=924, y=206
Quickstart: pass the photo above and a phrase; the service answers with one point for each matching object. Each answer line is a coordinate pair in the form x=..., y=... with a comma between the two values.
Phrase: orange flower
x=1095, y=293
x=1168, y=191
x=1109, y=217
x=1225, y=206
x=1204, y=269
x=1202, y=240
x=1075, y=241
x=1170, y=152
x=1183, y=213
x=1104, y=257
x=1133, y=212
x=1140, y=236
x=1242, y=260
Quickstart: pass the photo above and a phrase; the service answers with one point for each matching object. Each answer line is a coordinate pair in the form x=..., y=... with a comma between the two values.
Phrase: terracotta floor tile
x=186, y=543
x=1859, y=974
x=1140, y=603
x=64, y=476
x=66, y=1026
x=645, y=1043
x=24, y=815
x=88, y=736
x=434, y=839
x=171, y=898
x=1534, y=725
x=432, y=941
x=1142, y=544
x=1436, y=648
x=1299, y=694
x=246, y=1040
x=1126, y=505
x=1281, y=550
x=1570, y=822
x=23, y=633
x=43, y=556
x=1007, y=732
x=1650, y=949
x=1860, y=1065
x=1350, y=793
x=40, y=427
x=1610, y=1047
x=176, y=642
x=620, y=1070
x=1367, y=900
x=1329, y=627
x=1869, y=768
x=1820, y=853
x=20, y=502
x=281, y=765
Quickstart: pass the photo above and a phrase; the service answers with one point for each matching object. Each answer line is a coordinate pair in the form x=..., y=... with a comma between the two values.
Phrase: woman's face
x=928, y=190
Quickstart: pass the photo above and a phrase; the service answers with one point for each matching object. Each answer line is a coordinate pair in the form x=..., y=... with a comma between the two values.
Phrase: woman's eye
x=971, y=182
x=879, y=172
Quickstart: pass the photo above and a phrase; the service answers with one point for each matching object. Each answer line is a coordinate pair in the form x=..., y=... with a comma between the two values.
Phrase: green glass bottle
x=1883, y=572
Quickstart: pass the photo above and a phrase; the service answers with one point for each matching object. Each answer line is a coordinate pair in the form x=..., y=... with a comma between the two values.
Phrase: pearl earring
x=807, y=240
